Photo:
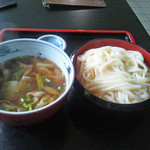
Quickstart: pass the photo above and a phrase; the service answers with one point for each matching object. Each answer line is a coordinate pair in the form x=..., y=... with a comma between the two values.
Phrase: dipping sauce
x=29, y=82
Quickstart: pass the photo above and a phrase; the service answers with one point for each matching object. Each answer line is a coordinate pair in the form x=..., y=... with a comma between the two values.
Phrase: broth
x=29, y=83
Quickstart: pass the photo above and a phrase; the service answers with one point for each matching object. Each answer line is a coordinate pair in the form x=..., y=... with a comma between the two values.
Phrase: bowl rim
x=57, y=100
x=100, y=101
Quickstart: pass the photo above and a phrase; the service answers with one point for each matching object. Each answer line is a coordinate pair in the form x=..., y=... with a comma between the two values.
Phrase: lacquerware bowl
x=33, y=47
x=101, y=102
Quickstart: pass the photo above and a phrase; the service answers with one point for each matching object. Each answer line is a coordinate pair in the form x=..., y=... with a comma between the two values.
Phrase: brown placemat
x=88, y=3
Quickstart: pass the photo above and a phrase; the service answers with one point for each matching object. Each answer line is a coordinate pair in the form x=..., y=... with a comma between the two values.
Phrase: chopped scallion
x=30, y=108
x=24, y=105
x=47, y=80
x=29, y=86
x=23, y=96
x=21, y=66
x=17, y=91
x=43, y=77
x=55, y=98
x=61, y=88
x=29, y=96
x=28, y=100
x=33, y=105
x=32, y=99
x=23, y=99
x=29, y=105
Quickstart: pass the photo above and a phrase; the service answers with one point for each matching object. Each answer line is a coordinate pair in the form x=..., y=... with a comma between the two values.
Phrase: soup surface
x=29, y=83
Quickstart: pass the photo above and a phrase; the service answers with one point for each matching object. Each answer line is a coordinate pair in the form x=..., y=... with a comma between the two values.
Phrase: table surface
x=79, y=124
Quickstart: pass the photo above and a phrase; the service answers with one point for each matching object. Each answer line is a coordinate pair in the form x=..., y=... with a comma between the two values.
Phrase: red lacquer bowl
x=101, y=102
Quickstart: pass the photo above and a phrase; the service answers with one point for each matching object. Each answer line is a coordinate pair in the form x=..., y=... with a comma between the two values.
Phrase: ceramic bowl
x=32, y=47
x=55, y=40
x=101, y=102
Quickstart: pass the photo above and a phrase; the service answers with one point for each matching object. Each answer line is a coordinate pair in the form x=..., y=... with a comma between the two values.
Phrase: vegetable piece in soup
x=29, y=83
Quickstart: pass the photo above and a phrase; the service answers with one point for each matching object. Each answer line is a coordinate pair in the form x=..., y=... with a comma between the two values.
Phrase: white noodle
x=114, y=74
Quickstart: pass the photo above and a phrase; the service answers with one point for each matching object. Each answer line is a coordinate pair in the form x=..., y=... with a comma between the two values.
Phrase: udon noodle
x=114, y=74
